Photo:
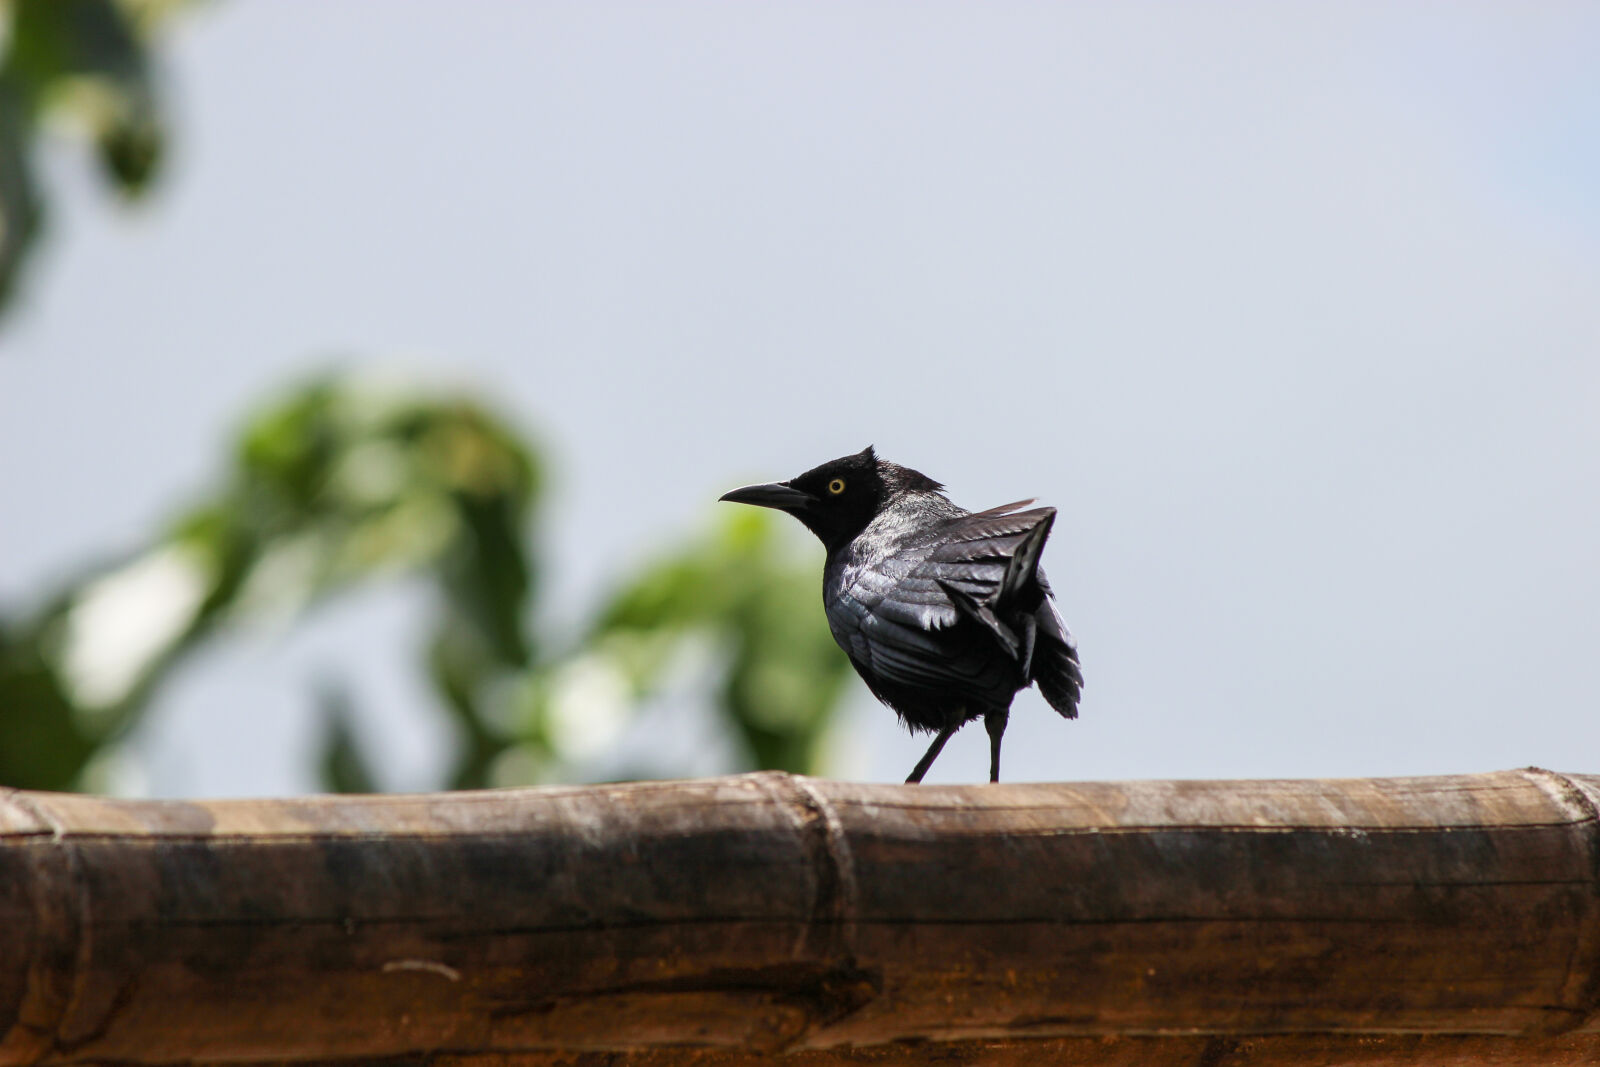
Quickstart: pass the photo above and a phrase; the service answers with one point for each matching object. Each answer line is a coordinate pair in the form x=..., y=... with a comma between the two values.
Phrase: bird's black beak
x=778, y=495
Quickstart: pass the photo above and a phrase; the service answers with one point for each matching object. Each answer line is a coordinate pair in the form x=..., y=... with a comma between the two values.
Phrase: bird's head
x=839, y=498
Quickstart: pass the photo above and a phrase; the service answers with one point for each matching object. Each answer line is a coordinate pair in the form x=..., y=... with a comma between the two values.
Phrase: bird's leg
x=995, y=722
x=932, y=754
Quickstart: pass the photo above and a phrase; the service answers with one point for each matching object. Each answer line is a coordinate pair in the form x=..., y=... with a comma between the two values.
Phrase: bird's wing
x=992, y=554
x=898, y=609
x=895, y=630
x=972, y=553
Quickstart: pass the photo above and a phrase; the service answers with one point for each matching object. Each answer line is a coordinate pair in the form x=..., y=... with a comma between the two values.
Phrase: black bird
x=944, y=612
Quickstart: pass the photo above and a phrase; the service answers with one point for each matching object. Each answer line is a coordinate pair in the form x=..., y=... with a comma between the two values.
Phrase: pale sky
x=1292, y=310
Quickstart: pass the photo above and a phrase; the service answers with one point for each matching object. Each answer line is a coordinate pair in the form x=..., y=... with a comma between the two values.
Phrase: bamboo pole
x=1421, y=920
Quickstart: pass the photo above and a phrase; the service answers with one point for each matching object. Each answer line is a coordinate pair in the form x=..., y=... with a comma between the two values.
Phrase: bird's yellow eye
x=836, y=486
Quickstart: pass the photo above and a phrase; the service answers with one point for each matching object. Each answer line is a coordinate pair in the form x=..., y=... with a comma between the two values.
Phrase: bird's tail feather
x=1056, y=671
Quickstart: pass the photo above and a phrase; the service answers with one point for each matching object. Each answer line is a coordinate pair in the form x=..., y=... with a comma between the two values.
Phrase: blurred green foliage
x=346, y=482
x=82, y=65
x=784, y=674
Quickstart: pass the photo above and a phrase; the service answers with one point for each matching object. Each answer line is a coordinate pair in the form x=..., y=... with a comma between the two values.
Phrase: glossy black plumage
x=943, y=612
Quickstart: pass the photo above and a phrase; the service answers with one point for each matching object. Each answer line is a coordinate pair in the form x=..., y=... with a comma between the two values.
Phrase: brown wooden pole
x=1424, y=920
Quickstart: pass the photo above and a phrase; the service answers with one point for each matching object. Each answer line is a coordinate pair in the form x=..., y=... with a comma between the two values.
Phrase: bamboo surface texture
x=724, y=921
